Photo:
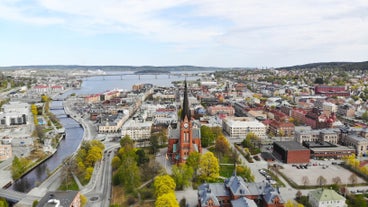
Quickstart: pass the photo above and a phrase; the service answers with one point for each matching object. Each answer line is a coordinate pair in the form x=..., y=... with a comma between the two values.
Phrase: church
x=186, y=138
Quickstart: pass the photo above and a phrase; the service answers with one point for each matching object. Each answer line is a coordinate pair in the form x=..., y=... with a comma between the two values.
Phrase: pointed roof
x=186, y=111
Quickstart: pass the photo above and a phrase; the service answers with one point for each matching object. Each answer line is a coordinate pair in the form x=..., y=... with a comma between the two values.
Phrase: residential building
x=331, y=90
x=14, y=113
x=282, y=129
x=112, y=123
x=219, y=109
x=186, y=138
x=346, y=110
x=239, y=127
x=325, y=198
x=137, y=130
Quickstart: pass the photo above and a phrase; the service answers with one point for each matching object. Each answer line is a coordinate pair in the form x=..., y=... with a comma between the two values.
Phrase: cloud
x=258, y=27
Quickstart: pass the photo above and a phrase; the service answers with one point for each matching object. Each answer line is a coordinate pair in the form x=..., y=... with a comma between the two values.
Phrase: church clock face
x=186, y=125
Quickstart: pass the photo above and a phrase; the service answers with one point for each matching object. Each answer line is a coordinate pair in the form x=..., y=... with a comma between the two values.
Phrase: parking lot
x=317, y=168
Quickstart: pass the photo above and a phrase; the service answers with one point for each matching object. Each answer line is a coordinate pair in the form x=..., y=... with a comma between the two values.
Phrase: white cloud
x=258, y=27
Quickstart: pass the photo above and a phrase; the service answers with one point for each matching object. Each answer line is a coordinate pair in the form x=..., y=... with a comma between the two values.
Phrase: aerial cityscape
x=183, y=103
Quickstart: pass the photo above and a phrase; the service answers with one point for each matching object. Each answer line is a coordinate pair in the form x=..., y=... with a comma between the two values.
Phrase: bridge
x=143, y=74
x=12, y=195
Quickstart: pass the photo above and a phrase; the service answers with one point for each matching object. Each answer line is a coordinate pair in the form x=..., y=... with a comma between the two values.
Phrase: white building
x=239, y=127
x=136, y=130
x=326, y=198
x=14, y=113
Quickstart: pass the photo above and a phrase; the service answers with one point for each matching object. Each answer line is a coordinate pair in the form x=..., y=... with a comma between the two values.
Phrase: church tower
x=186, y=138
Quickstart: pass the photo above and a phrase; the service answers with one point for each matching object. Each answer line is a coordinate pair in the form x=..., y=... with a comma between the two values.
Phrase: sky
x=235, y=33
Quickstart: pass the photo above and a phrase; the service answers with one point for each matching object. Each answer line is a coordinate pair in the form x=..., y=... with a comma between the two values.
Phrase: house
x=326, y=198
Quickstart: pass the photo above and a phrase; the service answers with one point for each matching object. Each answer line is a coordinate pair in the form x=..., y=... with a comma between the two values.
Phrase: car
x=262, y=171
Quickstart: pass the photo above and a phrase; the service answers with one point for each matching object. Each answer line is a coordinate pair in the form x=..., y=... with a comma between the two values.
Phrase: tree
x=209, y=168
x=3, y=202
x=83, y=200
x=222, y=145
x=365, y=116
x=305, y=180
x=337, y=180
x=128, y=173
x=353, y=179
x=298, y=195
x=182, y=175
x=34, y=204
x=154, y=139
x=193, y=161
x=167, y=200
x=321, y=180
x=164, y=184
x=116, y=162
x=207, y=136
x=245, y=172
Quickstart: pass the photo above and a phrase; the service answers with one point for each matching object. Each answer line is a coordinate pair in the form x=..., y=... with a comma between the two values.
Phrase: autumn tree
x=167, y=200
x=245, y=172
x=222, y=145
x=182, y=175
x=209, y=168
x=164, y=184
x=3, y=202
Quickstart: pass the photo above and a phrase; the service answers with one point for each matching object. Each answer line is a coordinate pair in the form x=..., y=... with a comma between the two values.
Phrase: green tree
x=34, y=204
x=209, y=169
x=365, y=116
x=167, y=200
x=182, y=175
x=207, y=136
x=193, y=161
x=164, y=184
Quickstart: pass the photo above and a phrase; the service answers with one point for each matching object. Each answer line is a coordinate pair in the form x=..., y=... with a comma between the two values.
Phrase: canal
x=73, y=137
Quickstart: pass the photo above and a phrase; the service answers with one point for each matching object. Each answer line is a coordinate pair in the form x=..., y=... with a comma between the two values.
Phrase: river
x=74, y=132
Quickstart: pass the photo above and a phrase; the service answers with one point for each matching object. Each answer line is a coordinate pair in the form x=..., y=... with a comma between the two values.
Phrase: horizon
x=243, y=34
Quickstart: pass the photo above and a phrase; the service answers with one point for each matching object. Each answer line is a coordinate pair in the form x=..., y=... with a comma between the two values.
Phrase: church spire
x=186, y=111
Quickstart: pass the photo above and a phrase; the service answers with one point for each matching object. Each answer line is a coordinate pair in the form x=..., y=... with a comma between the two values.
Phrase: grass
x=70, y=185
x=226, y=170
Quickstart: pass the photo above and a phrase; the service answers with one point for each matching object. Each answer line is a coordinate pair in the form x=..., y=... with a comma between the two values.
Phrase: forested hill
x=112, y=68
x=348, y=66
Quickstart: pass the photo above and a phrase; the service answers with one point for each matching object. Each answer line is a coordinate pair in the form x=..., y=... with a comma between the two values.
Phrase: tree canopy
x=209, y=169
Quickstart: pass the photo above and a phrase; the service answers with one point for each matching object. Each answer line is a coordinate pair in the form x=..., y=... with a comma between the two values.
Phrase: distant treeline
x=346, y=66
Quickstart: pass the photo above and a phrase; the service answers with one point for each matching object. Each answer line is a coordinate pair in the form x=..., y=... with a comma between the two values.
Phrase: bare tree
x=337, y=180
x=353, y=179
x=305, y=180
x=321, y=180
x=298, y=195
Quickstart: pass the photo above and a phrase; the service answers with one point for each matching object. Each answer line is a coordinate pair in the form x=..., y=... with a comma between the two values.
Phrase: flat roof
x=290, y=145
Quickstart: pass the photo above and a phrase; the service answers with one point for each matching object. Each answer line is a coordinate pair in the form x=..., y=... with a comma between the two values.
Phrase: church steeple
x=186, y=111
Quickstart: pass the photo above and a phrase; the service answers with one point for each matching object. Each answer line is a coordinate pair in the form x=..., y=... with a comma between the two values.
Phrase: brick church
x=186, y=138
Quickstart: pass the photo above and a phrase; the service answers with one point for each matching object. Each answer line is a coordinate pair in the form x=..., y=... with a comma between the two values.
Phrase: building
x=186, y=138
x=235, y=192
x=323, y=135
x=346, y=110
x=331, y=90
x=112, y=123
x=14, y=113
x=138, y=131
x=239, y=127
x=282, y=129
x=291, y=152
x=356, y=138
x=5, y=151
x=60, y=198
x=219, y=109
x=326, y=198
